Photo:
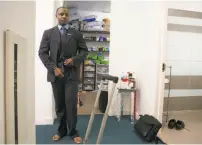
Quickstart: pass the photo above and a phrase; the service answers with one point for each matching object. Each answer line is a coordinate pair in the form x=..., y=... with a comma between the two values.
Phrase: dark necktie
x=63, y=30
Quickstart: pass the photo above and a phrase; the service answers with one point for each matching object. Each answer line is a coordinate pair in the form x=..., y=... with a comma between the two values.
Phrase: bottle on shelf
x=123, y=81
x=127, y=80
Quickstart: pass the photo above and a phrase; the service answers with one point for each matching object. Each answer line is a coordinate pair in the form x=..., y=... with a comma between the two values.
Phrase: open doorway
x=183, y=89
x=92, y=18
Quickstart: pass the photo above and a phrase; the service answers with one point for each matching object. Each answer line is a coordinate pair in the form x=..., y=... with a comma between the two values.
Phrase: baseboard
x=44, y=121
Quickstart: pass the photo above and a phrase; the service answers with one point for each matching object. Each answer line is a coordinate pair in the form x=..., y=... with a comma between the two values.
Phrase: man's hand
x=68, y=61
x=58, y=73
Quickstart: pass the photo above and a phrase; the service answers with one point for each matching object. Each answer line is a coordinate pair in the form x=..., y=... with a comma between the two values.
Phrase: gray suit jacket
x=50, y=44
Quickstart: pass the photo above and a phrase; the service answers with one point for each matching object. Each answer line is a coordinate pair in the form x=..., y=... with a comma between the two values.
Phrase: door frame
x=12, y=38
x=163, y=46
x=3, y=116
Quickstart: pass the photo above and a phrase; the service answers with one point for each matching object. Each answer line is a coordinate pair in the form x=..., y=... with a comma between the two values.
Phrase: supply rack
x=169, y=88
x=93, y=71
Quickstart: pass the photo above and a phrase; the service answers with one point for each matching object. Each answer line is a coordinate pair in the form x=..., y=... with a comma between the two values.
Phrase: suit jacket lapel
x=56, y=34
x=56, y=38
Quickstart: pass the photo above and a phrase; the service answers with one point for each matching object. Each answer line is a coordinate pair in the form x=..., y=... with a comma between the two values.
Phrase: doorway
x=92, y=18
x=183, y=89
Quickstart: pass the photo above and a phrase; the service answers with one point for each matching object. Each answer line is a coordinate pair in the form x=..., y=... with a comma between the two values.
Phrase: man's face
x=62, y=16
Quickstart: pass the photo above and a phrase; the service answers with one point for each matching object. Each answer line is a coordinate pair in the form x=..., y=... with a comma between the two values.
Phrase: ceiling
x=98, y=6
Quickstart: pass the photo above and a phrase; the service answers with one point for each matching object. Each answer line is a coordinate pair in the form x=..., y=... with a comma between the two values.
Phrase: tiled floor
x=88, y=100
x=190, y=135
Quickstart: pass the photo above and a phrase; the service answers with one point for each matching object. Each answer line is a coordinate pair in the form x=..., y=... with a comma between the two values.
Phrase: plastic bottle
x=121, y=80
x=124, y=80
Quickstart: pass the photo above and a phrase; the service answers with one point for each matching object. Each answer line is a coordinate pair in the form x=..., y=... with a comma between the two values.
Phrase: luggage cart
x=99, y=138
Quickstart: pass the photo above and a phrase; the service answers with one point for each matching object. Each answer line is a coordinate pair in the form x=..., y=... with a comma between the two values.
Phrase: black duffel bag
x=147, y=127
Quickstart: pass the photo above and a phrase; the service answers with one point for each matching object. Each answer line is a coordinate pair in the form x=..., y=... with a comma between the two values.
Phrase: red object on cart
x=135, y=99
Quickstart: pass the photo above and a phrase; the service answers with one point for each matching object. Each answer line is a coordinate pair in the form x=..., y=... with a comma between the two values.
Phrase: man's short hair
x=60, y=8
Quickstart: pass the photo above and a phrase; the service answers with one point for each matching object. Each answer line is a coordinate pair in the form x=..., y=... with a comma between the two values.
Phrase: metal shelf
x=169, y=87
x=99, y=32
x=84, y=74
x=88, y=40
x=99, y=51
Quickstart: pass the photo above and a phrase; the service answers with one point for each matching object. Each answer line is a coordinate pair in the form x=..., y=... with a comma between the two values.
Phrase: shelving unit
x=96, y=69
x=89, y=73
x=101, y=70
x=169, y=88
x=97, y=40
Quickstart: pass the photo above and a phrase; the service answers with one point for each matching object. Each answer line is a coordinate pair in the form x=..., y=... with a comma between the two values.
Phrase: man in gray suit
x=62, y=50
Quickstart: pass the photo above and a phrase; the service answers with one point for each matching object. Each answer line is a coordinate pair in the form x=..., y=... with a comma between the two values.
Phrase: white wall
x=137, y=37
x=142, y=51
x=45, y=19
x=137, y=34
x=184, y=51
x=19, y=16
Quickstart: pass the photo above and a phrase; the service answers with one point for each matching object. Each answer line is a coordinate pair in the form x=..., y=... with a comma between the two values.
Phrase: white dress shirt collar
x=66, y=26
